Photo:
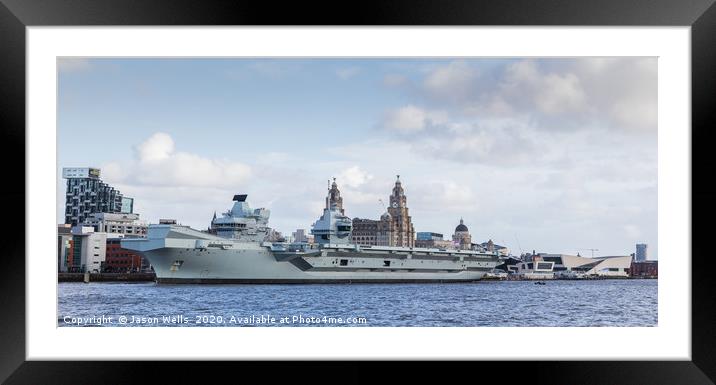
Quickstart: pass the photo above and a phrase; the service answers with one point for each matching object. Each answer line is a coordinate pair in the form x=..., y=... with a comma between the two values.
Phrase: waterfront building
x=649, y=269
x=117, y=223
x=366, y=232
x=641, y=252
x=491, y=246
x=432, y=240
x=537, y=268
x=401, y=230
x=274, y=236
x=509, y=264
x=88, y=250
x=462, y=238
x=117, y=226
x=119, y=260
x=428, y=236
x=86, y=194
x=334, y=197
x=300, y=236
x=575, y=266
x=64, y=246
x=394, y=228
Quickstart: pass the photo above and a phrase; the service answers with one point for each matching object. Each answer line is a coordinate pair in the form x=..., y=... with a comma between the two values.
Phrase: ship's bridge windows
x=229, y=226
x=344, y=228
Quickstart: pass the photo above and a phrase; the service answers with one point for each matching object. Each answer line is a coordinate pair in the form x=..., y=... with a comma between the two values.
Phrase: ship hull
x=183, y=255
x=222, y=281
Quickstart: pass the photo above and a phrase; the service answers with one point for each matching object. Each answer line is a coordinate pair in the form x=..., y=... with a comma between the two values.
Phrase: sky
x=556, y=155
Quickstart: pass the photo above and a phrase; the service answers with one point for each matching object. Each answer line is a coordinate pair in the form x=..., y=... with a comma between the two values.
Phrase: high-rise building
x=403, y=231
x=394, y=228
x=64, y=247
x=462, y=237
x=300, y=235
x=641, y=252
x=86, y=194
x=88, y=250
x=334, y=198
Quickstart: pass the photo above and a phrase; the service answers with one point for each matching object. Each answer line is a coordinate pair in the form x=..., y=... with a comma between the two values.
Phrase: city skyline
x=556, y=155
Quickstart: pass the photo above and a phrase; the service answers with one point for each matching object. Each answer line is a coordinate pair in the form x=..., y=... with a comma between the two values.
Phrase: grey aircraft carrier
x=236, y=251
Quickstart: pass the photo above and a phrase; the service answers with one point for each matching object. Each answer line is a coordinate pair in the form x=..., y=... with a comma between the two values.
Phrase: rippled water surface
x=486, y=303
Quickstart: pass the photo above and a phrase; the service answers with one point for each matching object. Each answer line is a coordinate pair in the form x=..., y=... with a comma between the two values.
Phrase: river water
x=484, y=303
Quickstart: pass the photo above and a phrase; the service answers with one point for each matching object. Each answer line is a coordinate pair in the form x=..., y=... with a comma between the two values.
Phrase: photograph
x=491, y=183
x=357, y=191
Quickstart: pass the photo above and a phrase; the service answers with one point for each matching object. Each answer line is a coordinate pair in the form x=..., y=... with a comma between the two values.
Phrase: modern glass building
x=641, y=252
x=86, y=194
x=428, y=236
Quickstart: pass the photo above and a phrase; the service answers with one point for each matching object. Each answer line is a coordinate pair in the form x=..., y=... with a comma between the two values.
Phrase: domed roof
x=461, y=227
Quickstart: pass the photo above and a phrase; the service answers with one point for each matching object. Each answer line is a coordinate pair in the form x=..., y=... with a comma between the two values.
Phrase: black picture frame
x=700, y=15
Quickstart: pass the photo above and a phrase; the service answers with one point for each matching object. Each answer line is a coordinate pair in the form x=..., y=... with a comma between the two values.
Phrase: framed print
x=498, y=186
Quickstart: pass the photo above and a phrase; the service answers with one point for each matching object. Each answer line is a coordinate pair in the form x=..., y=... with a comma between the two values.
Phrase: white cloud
x=560, y=94
x=526, y=86
x=158, y=164
x=411, y=119
x=158, y=147
x=354, y=177
x=348, y=72
x=454, y=80
x=406, y=119
x=448, y=194
x=622, y=90
x=508, y=114
x=555, y=94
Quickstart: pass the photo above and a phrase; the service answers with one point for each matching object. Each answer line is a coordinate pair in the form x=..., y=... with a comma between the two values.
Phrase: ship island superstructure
x=235, y=250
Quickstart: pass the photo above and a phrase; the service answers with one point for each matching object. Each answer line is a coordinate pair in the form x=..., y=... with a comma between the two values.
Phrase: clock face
x=395, y=204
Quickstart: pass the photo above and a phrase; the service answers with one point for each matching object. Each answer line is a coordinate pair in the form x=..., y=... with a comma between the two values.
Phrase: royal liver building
x=395, y=227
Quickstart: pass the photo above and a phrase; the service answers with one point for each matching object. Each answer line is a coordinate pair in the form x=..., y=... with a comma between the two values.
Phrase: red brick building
x=121, y=260
x=645, y=269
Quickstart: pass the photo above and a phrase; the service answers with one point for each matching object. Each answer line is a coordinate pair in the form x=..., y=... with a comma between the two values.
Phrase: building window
x=544, y=266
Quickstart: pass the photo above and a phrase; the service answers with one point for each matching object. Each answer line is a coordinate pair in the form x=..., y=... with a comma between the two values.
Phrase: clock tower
x=401, y=225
